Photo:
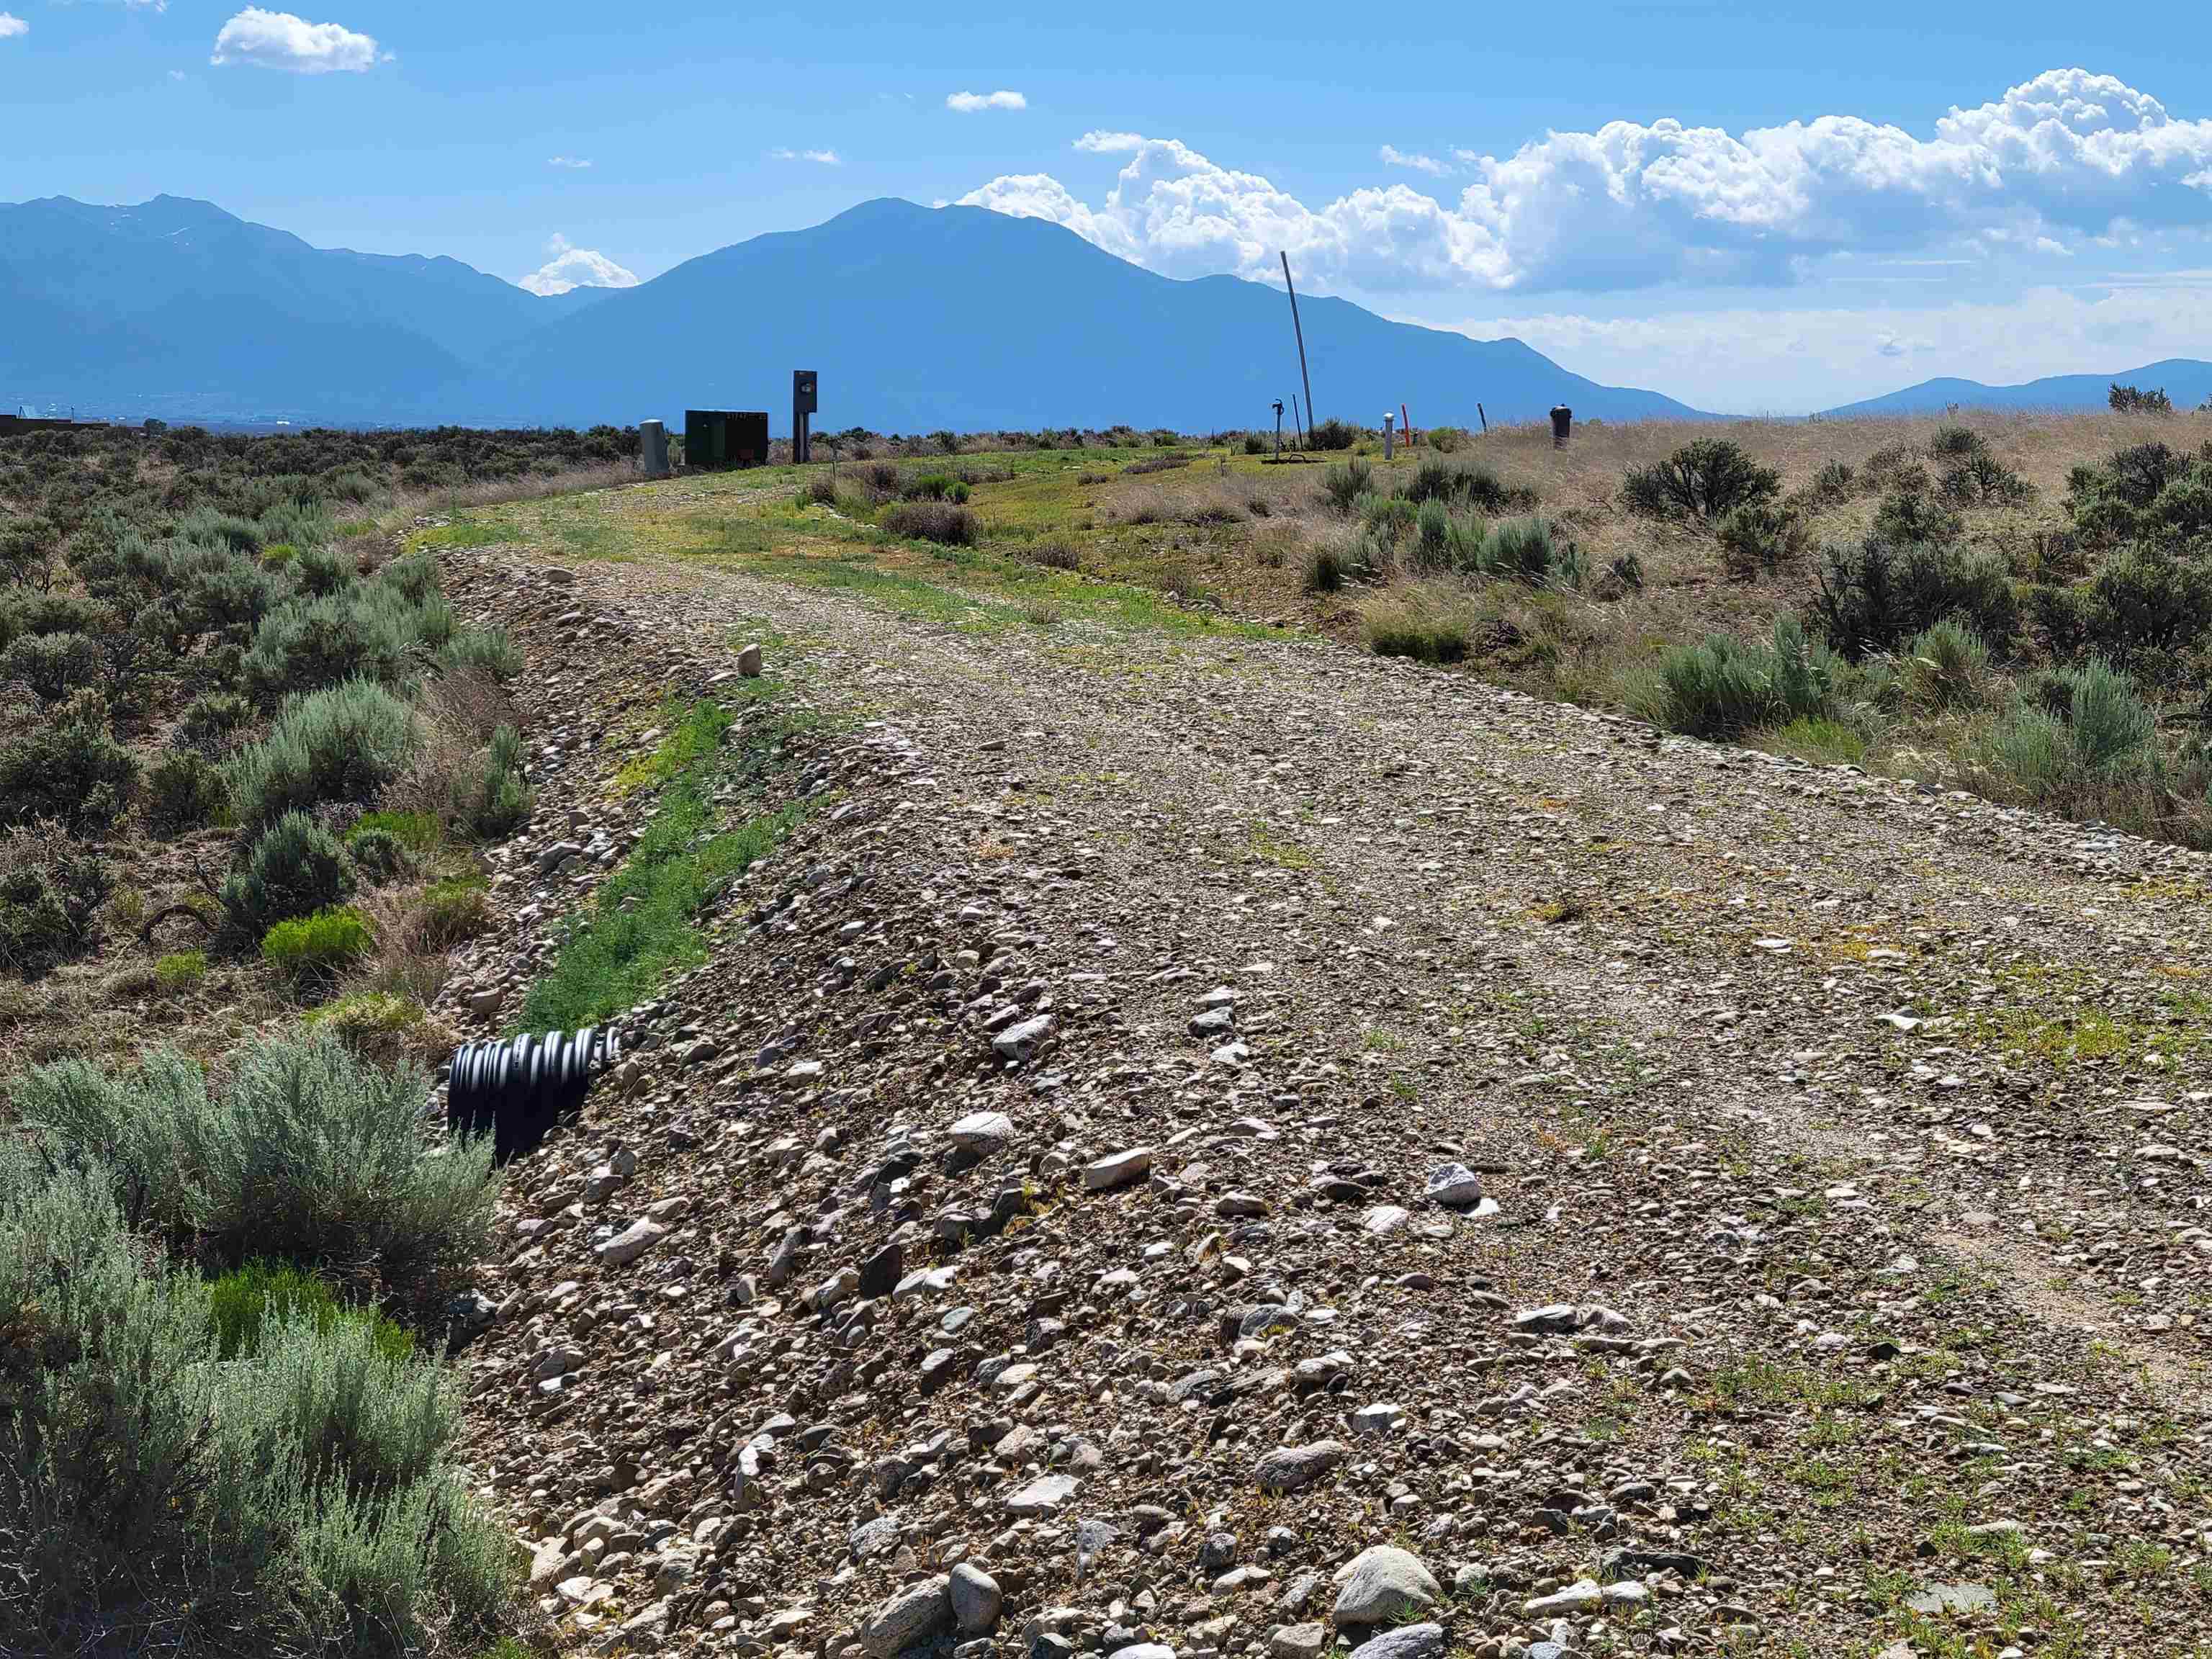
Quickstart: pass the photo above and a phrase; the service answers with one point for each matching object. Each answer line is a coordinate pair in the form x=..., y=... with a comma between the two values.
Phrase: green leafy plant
x=315, y=947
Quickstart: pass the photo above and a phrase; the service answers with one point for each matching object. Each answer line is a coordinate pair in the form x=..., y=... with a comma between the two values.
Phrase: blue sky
x=1745, y=208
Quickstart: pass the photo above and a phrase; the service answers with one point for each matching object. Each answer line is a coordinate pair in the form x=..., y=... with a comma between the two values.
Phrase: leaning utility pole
x=1300, y=331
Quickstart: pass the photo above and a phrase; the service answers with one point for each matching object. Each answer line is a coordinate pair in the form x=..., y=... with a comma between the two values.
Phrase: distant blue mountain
x=960, y=317
x=917, y=319
x=2185, y=379
x=175, y=306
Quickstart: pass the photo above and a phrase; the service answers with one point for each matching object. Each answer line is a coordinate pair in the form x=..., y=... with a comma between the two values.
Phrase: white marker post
x=1387, y=418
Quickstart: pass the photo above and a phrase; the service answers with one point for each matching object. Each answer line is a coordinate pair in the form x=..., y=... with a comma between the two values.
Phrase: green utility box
x=715, y=439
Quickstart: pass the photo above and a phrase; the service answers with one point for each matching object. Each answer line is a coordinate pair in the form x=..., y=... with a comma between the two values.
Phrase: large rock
x=908, y=1619
x=1383, y=1585
x=976, y=1600
x=1287, y=1468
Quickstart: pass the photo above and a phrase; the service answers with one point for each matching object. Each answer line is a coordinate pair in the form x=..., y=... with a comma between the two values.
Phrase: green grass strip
x=643, y=924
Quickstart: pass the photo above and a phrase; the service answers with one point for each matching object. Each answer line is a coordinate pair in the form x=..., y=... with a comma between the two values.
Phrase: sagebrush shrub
x=491, y=652
x=184, y=791
x=1331, y=434
x=497, y=800
x=1832, y=483
x=53, y=665
x=67, y=770
x=2030, y=749
x=1705, y=478
x=213, y=722
x=304, y=1150
x=302, y=1498
x=1724, y=687
x=1875, y=596
x=345, y=743
x=295, y=868
x=1345, y=483
x=2109, y=724
x=932, y=522
x=314, y=642
x=380, y=855
x=1908, y=515
x=50, y=891
x=1762, y=536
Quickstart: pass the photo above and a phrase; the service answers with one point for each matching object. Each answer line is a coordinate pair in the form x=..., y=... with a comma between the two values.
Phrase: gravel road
x=1180, y=1113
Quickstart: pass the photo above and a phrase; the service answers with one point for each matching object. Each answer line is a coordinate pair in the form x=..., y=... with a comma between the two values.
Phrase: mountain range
x=2185, y=379
x=916, y=318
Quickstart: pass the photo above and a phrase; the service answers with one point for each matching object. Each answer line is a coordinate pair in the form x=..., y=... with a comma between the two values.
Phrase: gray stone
x=1454, y=1184
x=1952, y=1598
x=1289, y=1468
x=1017, y=1042
x=748, y=662
x=1384, y=1585
x=1581, y=1596
x=1214, y=1022
x=982, y=1132
x=1299, y=1642
x=1118, y=1171
x=1042, y=1496
x=1424, y=1641
x=880, y=1272
x=633, y=1242
x=976, y=1600
x=908, y=1619
x=1558, y=1318
x=1144, y=1651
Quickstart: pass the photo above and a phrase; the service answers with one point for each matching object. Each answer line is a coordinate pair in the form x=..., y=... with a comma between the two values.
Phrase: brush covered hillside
x=918, y=319
x=960, y=317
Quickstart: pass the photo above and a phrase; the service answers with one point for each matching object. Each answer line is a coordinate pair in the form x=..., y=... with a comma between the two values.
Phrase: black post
x=803, y=404
x=1299, y=330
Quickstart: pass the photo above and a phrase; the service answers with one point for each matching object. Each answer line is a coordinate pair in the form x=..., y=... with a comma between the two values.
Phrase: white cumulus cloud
x=828, y=158
x=1391, y=155
x=967, y=103
x=2068, y=154
x=12, y=25
x=278, y=39
x=569, y=266
x=568, y=163
x=1764, y=360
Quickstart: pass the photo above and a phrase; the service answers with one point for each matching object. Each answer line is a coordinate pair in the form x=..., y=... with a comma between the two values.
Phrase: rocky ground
x=1215, y=1147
